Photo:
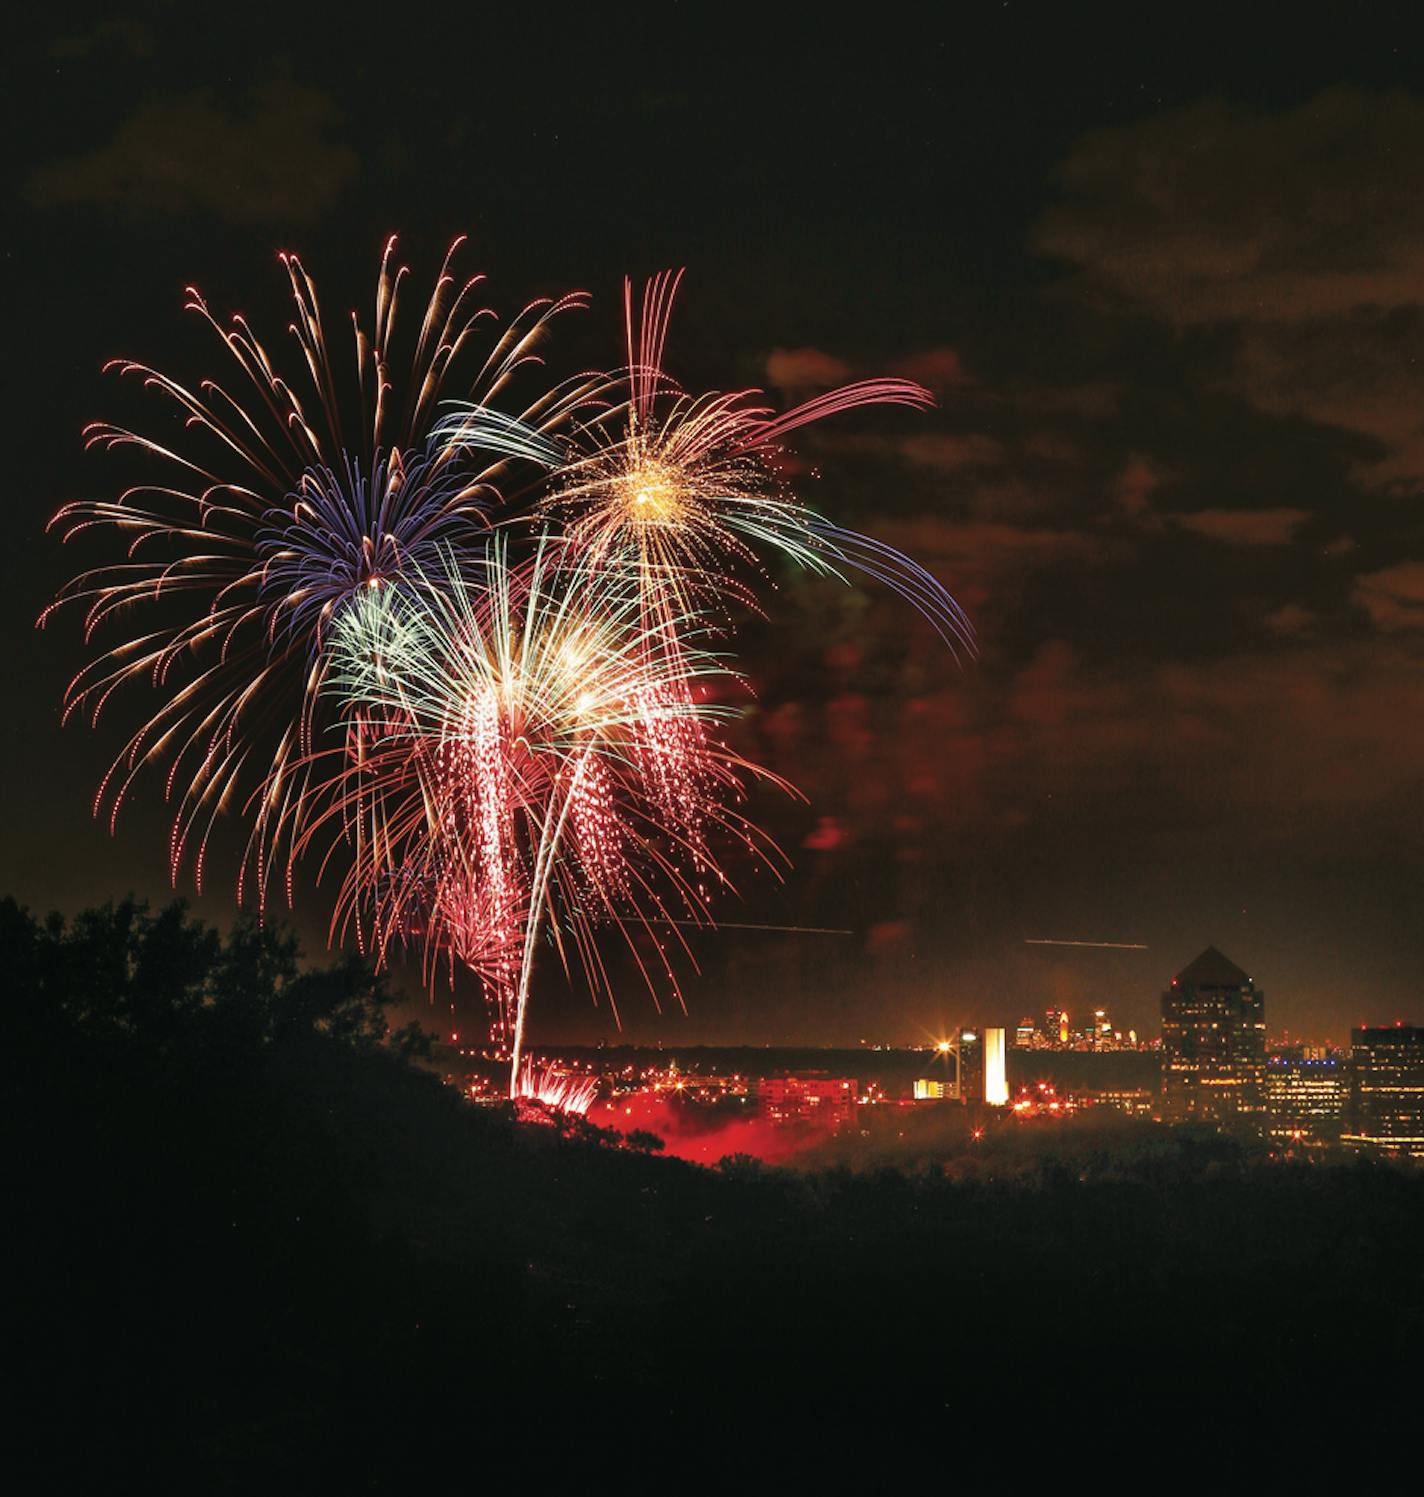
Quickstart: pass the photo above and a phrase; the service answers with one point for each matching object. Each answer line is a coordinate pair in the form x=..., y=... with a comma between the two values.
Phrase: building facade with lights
x=787, y=1099
x=1386, y=1110
x=1058, y=1031
x=969, y=1060
x=1306, y=1092
x=1213, y=1043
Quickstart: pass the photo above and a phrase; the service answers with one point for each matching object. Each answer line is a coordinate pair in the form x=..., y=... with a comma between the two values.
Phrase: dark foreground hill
x=254, y=1245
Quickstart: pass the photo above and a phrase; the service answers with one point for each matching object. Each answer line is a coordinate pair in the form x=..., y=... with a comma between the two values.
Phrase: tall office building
x=969, y=1056
x=1387, y=1090
x=1306, y=1093
x=1213, y=1042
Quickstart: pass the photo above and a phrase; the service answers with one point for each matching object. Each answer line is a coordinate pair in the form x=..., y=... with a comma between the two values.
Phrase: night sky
x=1168, y=287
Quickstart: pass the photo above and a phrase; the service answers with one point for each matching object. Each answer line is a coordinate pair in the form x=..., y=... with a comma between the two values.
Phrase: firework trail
x=274, y=509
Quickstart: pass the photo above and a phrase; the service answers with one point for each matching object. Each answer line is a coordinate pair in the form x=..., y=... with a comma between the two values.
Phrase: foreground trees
x=249, y=1235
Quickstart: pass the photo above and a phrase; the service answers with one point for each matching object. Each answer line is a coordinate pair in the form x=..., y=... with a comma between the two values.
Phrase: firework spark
x=555, y=1088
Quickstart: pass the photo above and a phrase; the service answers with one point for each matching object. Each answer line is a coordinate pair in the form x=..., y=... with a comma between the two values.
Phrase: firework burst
x=687, y=487
x=273, y=511
x=556, y=1088
x=484, y=700
x=534, y=755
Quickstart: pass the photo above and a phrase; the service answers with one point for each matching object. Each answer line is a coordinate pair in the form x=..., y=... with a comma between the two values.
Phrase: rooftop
x=1212, y=970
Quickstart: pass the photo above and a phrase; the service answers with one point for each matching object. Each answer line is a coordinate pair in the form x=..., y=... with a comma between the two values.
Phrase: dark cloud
x=273, y=158
x=1360, y=370
x=1290, y=619
x=125, y=35
x=1245, y=527
x=948, y=450
x=987, y=550
x=1262, y=737
x=1217, y=213
x=1135, y=485
x=940, y=368
x=797, y=369
x=1394, y=596
x=1303, y=230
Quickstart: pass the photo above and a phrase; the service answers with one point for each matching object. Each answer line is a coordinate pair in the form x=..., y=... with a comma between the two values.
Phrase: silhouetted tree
x=250, y=1235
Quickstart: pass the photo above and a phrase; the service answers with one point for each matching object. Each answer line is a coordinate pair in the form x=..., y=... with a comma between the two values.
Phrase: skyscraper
x=1387, y=1090
x=969, y=1050
x=1213, y=1042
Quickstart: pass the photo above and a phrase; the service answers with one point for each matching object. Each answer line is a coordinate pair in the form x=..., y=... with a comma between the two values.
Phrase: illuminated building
x=996, y=1077
x=1213, y=1042
x=1135, y=1101
x=942, y=1084
x=1057, y=1031
x=1305, y=1095
x=968, y=1051
x=786, y=1099
x=1386, y=1110
x=1050, y=1034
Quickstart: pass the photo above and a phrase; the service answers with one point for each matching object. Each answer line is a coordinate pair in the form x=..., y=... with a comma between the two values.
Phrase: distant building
x=1306, y=1092
x=969, y=1052
x=1386, y=1113
x=927, y=1089
x=1058, y=1031
x=1213, y=1042
x=786, y=1099
x=996, y=1076
x=1135, y=1101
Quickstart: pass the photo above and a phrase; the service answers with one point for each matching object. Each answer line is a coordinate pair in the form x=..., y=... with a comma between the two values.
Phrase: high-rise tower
x=1213, y=1042
x=1387, y=1090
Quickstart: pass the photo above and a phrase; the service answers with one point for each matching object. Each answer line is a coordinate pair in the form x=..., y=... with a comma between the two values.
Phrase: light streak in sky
x=1098, y=945
x=794, y=930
